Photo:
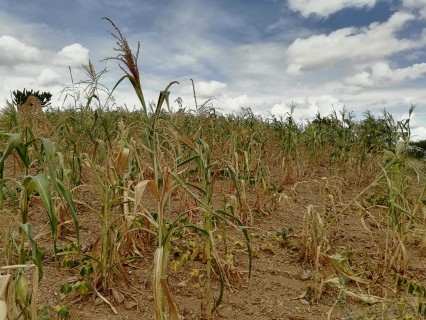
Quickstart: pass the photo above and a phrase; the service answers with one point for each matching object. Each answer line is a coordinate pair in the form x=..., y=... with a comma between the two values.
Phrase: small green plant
x=62, y=311
x=283, y=236
x=416, y=290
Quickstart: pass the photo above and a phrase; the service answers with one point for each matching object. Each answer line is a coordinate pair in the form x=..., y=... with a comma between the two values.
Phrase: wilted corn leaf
x=4, y=282
x=22, y=289
x=359, y=296
x=139, y=191
x=173, y=308
x=122, y=159
x=364, y=297
x=3, y=310
x=158, y=257
x=341, y=264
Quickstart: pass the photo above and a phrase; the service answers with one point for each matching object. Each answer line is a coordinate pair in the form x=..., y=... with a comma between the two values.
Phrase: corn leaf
x=36, y=254
x=59, y=186
x=15, y=140
x=42, y=186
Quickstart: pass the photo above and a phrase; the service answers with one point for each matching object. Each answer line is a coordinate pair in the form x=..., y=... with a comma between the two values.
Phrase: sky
x=319, y=56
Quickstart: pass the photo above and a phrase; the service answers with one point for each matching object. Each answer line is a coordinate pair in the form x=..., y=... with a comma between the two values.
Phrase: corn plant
x=289, y=134
x=417, y=291
x=104, y=253
x=18, y=297
x=30, y=185
x=209, y=170
x=9, y=118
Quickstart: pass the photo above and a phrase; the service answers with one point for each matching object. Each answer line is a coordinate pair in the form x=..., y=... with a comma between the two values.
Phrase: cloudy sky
x=319, y=55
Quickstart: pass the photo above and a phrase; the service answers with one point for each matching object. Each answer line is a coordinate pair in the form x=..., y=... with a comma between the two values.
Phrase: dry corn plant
x=314, y=237
x=113, y=245
x=314, y=243
x=245, y=170
x=316, y=249
x=317, y=144
x=402, y=203
x=162, y=178
x=165, y=181
x=268, y=198
x=253, y=174
x=208, y=172
x=18, y=292
x=294, y=165
x=213, y=219
x=404, y=210
x=31, y=115
x=162, y=293
x=165, y=305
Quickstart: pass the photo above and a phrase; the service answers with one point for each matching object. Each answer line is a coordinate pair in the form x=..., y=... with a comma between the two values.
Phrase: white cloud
x=306, y=108
x=418, y=133
x=375, y=42
x=415, y=5
x=383, y=71
x=14, y=52
x=208, y=89
x=17, y=82
x=48, y=77
x=74, y=55
x=324, y=8
x=235, y=104
x=381, y=74
x=362, y=79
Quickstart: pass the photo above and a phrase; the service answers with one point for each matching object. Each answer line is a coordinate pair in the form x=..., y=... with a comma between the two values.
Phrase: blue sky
x=319, y=55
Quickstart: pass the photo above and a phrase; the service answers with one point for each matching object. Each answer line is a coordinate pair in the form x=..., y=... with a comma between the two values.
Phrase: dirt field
x=284, y=283
x=331, y=222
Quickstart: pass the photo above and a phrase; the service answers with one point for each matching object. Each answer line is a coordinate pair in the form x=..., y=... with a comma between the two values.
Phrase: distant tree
x=420, y=144
x=19, y=97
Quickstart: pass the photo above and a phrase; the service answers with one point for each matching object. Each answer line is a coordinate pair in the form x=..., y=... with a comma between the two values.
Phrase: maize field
x=162, y=213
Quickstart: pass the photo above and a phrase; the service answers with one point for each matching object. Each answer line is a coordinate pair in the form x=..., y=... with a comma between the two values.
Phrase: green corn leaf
x=36, y=254
x=3, y=190
x=42, y=186
x=89, y=100
x=222, y=287
x=15, y=140
x=198, y=188
x=22, y=151
x=187, y=160
x=60, y=187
